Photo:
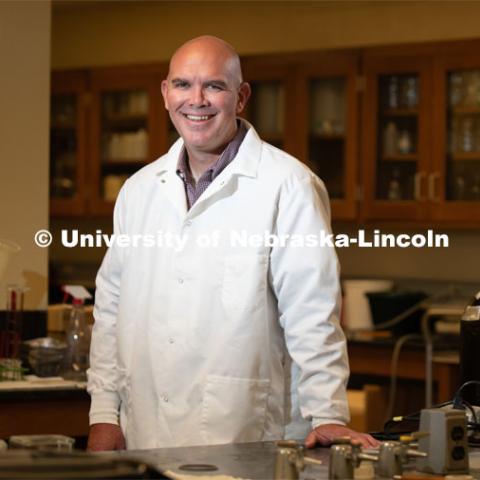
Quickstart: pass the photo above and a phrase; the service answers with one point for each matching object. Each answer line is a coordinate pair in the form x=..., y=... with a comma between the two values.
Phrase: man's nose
x=197, y=97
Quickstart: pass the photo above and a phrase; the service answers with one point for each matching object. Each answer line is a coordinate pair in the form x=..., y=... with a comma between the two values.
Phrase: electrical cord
x=394, y=366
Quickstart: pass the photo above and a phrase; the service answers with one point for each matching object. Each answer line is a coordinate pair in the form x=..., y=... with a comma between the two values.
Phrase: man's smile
x=198, y=118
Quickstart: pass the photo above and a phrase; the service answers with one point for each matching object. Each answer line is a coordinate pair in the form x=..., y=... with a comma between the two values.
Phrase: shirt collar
x=228, y=154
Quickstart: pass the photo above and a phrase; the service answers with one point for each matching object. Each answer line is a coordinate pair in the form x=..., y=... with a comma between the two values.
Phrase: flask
x=470, y=351
x=77, y=335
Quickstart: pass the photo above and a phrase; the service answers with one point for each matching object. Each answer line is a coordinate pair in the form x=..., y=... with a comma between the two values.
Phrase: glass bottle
x=475, y=189
x=394, y=187
x=410, y=92
x=467, y=141
x=457, y=89
x=393, y=92
x=390, y=139
x=404, y=143
x=78, y=343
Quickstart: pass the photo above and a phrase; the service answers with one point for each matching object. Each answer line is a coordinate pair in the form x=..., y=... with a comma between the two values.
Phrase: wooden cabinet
x=68, y=143
x=421, y=152
x=105, y=125
x=394, y=132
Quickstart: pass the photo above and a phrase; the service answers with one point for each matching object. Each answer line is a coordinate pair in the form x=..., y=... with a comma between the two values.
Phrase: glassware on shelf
x=404, y=142
x=475, y=188
x=390, y=140
x=454, y=136
x=472, y=88
x=125, y=103
x=457, y=89
x=394, y=186
x=327, y=114
x=467, y=140
x=393, y=92
x=409, y=97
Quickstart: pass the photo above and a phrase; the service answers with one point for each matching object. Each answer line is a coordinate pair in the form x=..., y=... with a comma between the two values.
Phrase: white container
x=356, y=309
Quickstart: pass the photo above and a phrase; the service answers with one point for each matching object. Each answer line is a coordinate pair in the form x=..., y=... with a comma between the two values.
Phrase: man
x=189, y=339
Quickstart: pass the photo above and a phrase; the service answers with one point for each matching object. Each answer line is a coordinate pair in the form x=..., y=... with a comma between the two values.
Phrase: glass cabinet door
x=396, y=126
x=455, y=185
x=124, y=138
x=327, y=132
x=462, y=179
x=63, y=146
x=397, y=139
x=266, y=111
x=67, y=143
x=328, y=125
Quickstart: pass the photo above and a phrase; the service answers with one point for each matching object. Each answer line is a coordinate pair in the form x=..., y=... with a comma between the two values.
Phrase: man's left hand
x=325, y=435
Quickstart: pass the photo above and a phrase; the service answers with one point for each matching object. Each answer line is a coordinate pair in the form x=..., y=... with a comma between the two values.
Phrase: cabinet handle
x=418, y=186
x=431, y=186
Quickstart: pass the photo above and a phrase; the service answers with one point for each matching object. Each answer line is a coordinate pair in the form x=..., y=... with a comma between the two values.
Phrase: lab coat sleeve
x=103, y=373
x=305, y=280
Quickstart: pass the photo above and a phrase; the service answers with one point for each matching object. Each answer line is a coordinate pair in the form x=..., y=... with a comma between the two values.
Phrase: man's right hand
x=105, y=436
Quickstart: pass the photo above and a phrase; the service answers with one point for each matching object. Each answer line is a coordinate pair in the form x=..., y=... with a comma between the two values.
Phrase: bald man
x=194, y=337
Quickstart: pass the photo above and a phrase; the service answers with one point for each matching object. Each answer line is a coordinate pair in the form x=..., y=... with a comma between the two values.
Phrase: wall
x=24, y=100
x=95, y=33
x=100, y=34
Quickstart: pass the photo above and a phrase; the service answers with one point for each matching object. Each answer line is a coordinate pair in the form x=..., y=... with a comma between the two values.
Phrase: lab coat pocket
x=244, y=282
x=234, y=409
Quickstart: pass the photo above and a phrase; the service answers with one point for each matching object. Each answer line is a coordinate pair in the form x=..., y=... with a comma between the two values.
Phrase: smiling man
x=194, y=346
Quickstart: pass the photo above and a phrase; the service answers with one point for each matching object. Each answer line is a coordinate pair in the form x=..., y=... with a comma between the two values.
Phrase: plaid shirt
x=194, y=191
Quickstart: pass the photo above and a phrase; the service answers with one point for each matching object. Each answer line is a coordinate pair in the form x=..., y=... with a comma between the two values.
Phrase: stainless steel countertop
x=245, y=460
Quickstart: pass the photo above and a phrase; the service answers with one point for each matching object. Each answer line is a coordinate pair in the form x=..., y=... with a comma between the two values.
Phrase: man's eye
x=180, y=84
x=215, y=88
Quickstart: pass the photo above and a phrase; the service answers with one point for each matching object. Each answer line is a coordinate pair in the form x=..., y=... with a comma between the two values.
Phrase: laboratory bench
x=43, y=407
x=62, y=407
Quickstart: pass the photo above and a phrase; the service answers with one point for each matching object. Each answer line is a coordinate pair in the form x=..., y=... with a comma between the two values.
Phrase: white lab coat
x=189, y=343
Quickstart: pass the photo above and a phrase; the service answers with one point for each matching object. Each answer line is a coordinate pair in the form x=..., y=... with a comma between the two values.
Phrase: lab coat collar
x=245, y=163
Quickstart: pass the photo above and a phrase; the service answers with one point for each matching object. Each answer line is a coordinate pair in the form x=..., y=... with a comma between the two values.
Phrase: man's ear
x=244, y=92
x=164, y=92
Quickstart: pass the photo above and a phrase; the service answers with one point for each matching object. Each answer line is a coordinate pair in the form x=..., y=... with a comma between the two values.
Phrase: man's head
x=204, y=92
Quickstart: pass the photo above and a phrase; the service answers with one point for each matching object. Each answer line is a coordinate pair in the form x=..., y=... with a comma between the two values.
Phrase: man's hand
x=105, y=436
x=326, y=434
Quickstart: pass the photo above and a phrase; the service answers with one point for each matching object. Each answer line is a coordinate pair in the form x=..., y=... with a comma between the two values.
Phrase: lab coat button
x=171, y=340
x=180, y=281
x=188, y=223
x=165, y=398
